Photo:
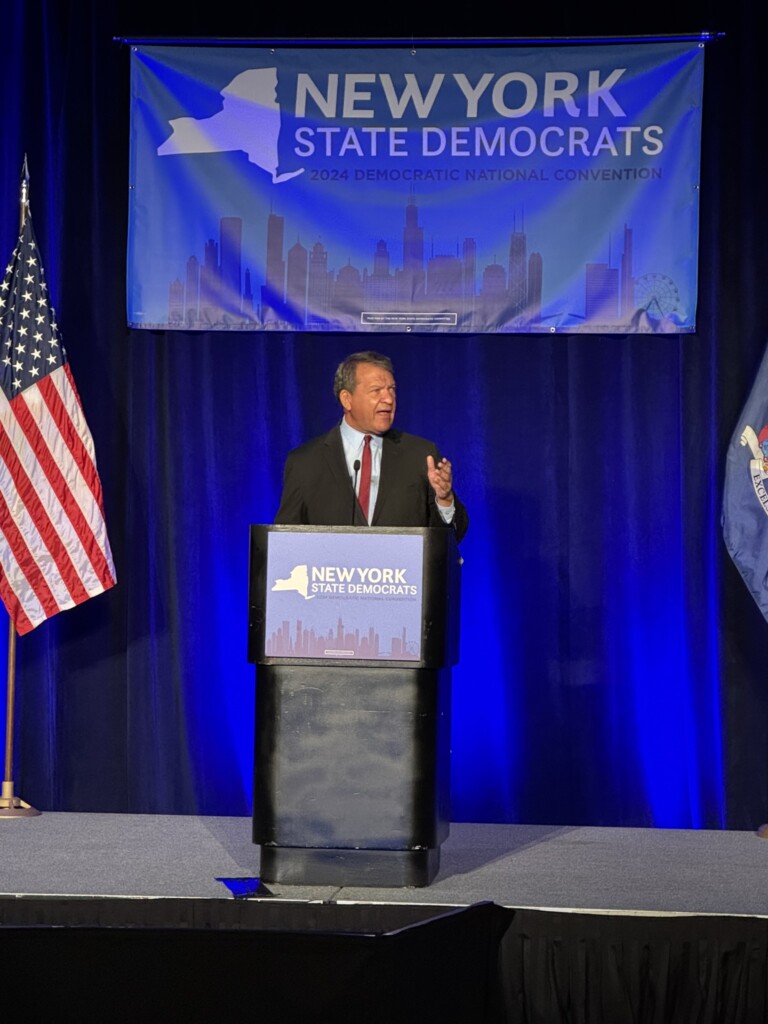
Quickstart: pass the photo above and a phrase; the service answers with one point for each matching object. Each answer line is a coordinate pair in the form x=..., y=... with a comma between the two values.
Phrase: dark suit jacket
x=317, y=490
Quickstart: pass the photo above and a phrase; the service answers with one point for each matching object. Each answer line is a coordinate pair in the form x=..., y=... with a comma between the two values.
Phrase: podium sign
x=368, y=595
x=344, y=595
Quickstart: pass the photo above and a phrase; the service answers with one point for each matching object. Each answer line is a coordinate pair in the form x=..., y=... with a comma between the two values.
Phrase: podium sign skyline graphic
x=505, y=189
x=344, y=596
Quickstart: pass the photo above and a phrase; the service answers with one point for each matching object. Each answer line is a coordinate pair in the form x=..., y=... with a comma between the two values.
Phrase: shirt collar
x=354, y=438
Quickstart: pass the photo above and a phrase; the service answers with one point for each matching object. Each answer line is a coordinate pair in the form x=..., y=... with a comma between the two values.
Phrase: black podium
x=354, y=632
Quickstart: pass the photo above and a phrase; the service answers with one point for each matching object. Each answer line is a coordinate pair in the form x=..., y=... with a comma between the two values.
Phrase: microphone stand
x=356, y=467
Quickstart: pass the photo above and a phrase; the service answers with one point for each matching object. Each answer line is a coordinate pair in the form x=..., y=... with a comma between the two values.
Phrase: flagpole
x=13, y=806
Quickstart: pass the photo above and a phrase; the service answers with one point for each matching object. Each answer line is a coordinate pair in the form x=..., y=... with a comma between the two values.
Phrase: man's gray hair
x=345, y=377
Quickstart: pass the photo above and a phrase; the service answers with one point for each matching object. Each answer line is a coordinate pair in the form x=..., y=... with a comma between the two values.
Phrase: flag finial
x=24, y=201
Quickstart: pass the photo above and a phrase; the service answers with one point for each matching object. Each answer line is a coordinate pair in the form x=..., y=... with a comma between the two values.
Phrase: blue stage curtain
x=612, y=663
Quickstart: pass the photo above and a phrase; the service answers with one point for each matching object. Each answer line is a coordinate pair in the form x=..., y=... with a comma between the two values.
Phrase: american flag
x=54, y=549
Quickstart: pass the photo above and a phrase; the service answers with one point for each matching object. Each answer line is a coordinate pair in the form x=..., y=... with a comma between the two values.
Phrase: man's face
x=370, y=408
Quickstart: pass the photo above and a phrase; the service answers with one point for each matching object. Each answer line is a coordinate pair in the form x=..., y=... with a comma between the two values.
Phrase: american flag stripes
x=54, y=549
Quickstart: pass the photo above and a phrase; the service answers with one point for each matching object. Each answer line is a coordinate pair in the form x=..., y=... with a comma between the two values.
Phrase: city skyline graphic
x=300, y=290
x=339, y=643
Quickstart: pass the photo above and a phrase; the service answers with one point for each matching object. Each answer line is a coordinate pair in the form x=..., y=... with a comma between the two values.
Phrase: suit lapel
x=390, y=460
x=333, y=451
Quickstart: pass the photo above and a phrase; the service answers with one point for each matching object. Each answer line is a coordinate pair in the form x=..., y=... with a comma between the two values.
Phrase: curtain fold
x=574, y=968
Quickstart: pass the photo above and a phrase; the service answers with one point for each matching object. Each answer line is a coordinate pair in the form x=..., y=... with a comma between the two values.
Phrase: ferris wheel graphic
x=657, y=294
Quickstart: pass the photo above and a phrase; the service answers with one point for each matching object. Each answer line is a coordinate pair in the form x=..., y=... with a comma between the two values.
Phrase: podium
x=354, y=631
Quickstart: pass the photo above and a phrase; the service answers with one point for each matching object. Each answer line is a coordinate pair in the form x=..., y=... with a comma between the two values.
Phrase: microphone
x=356, y=467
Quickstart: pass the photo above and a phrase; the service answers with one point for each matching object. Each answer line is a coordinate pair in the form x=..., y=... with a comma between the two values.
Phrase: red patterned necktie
x=364, y=493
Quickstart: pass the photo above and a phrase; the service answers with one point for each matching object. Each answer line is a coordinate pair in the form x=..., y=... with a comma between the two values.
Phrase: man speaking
x=363, y=472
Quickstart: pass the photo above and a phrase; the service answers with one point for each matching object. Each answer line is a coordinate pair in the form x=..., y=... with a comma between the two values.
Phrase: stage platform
x=522, y=923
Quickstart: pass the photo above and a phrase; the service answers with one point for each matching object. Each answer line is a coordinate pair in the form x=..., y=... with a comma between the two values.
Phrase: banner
x=483, y=189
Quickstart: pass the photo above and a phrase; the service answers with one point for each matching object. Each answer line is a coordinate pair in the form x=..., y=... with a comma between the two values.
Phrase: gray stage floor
x=613, y=870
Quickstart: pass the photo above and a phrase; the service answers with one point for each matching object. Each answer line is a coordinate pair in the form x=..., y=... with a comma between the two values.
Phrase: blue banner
x=491, y=189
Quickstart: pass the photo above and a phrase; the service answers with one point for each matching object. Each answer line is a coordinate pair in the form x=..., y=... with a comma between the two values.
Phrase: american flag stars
x=28, y=331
